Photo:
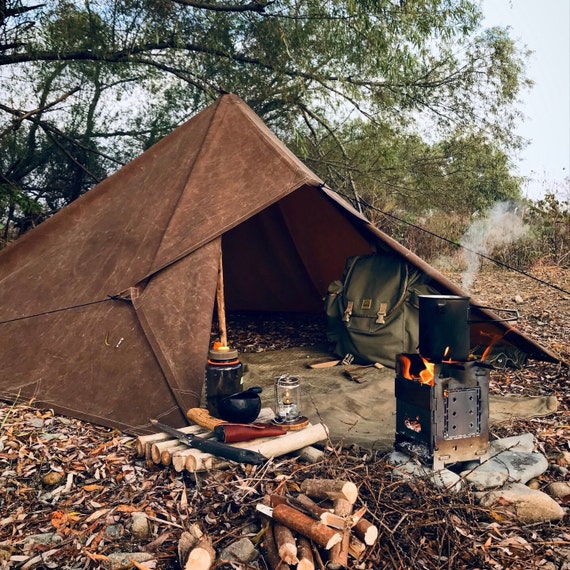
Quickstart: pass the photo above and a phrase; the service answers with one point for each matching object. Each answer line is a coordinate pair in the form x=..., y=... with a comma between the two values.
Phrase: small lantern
x=288, y=402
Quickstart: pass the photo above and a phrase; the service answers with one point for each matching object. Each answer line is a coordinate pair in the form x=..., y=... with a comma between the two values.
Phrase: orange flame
x=425, y=374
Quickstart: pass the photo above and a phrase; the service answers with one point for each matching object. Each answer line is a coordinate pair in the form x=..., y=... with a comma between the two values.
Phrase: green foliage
x=408, y=105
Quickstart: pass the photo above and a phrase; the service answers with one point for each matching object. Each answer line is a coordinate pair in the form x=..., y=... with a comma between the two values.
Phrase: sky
x=543, y=26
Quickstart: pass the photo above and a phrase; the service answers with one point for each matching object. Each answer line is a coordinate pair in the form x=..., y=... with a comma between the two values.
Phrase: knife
x=212, y=446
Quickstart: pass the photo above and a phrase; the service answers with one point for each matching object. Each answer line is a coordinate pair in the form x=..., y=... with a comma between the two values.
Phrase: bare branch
x=255, y=6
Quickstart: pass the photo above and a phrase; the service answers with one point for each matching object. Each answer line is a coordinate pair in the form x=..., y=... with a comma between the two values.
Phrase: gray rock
x=522, y=442
x=140, y=527
x=486, y=476
x=44, y=539
x=406, y=466
x=528, y=505
x=504, y=466
x=120, y=560
x=242, y=551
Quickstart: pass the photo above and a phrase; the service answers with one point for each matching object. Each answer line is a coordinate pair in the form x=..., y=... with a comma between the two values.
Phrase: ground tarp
x=362, y=413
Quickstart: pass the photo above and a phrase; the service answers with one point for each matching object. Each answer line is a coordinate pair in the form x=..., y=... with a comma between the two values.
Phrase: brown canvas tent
x=106, y=308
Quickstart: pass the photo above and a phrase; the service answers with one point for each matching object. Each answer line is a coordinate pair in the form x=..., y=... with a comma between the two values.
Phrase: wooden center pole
x=221, y=305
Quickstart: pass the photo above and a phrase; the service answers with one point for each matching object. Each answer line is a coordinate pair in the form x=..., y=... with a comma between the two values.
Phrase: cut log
x=195, y=550
x=285, y=543
x=305, y=525
x=366, y=531
x=330, y=489
x=166, y=455
x=272, y=556
x=305, y=554
x=144, y=442
x=310, y=454
x=327, y=516
x=269, y=447
x=338, y=556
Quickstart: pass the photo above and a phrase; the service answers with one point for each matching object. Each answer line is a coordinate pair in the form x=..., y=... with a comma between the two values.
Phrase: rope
x=454, y=243
x=109, y=298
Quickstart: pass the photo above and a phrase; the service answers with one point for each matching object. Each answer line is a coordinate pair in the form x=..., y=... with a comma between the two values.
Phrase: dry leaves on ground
x=68, y=489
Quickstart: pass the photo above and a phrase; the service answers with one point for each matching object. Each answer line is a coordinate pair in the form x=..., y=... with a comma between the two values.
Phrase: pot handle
x=513, y=314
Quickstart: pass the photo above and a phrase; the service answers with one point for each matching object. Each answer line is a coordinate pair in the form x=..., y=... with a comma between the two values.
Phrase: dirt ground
x=68, y=489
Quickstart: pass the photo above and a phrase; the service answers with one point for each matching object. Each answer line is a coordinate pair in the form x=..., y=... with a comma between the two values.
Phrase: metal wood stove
x=442, y=410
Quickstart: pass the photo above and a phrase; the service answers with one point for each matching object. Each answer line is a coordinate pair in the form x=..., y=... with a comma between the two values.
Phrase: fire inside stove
x=442, y=410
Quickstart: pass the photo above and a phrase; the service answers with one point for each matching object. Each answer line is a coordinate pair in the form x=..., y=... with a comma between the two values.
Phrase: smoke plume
x=499, y=226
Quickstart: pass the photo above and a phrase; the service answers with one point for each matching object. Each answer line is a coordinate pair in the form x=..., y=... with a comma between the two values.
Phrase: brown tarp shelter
x=106, y=308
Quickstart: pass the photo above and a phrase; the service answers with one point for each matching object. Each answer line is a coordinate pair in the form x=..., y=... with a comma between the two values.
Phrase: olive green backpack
x=372, y=314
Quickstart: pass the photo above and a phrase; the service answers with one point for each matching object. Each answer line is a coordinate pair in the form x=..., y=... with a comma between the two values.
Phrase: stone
x=406, y=466
x=487, y=475
x=121, y=560
x=52, y=478
x=558, y=489
x=528, y=505
x=518, y=299
x=140, y=527
x=242, y=551
x=504, y=466
x=522, y=442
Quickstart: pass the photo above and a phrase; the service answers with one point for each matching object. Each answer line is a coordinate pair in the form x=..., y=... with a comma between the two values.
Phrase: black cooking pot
x=444, y=326
x=241, y=407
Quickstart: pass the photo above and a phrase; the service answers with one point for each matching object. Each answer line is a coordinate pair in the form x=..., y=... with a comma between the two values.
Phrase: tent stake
x=221, y=305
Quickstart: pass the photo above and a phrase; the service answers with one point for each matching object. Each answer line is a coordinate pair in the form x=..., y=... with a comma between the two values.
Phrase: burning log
x=327, y=489
x=338, y=557
x=305, y=554
x=285, y=543
x=195, y=550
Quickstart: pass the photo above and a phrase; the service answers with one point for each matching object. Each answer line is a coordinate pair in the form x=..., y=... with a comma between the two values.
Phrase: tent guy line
x=488, y=258
x=81, y=305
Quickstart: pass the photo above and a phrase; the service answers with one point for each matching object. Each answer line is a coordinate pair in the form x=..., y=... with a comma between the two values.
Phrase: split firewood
x=310, y=528
x=330, y=489
x=285, y=543
x=338, y=555
x=195, y=550
x=366, y=531
x=356, y=548
x=166, y=455
x=157, y=448
x=305, y=554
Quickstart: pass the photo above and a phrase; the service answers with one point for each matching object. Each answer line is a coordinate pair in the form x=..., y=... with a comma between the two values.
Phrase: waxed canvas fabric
x=106, y=308
x=372, y=313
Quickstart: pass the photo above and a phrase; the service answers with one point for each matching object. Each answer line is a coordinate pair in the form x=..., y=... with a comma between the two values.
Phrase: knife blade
x=212, y=446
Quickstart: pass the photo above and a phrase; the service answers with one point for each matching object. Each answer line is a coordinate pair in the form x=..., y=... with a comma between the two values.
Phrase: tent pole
x=221, y=304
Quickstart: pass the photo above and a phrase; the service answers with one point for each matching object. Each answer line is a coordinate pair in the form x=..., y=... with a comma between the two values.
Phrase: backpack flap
x=374, y=290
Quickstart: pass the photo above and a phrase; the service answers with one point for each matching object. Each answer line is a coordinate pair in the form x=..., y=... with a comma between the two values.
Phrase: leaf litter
x=69, y=489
